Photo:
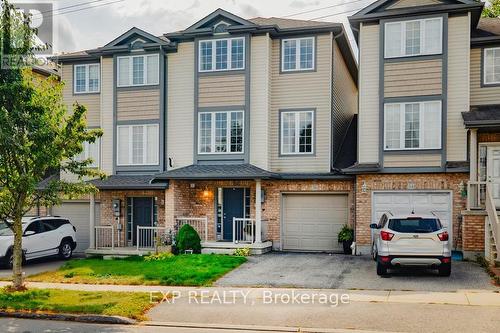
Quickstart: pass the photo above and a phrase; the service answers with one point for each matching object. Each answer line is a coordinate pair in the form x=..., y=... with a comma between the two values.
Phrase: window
x=220, y=132
x=297, y=54
x=138, y=144
x=139, y=70
x=492, y=66
x=222, y=54
x=297, y=128
x=90, y=150
x=413, y=38
x=412, y=125
x=86, y=78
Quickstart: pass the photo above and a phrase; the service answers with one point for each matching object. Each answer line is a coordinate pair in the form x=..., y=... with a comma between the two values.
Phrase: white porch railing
x=244, y=230
x=149, y=237
x=200, y=224
x=492, y=218
x=476, y=195
x=104, y=236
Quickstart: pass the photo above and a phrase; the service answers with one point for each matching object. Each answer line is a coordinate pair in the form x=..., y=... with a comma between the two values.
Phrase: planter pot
x=347, y=247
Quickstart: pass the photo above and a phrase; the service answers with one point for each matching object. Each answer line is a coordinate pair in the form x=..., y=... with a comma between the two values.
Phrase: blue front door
x=142, y=214
x=233, y=206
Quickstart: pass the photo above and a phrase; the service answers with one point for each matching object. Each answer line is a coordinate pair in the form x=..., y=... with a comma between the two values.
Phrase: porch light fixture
x=192, y=185
x=206, y=194
x=364, y=187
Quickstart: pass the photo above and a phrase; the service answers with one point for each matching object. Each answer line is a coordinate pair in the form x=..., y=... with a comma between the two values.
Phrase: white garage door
x=311, y=222
x=404, y=202
x=78, y=213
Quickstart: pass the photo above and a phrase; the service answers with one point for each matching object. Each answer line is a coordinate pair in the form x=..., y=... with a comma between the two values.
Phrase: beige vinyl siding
x=408, y=161
x=90, y=101
x=458, y=86
x=303, y=90
x=345, y=99
x=368, y=125
x=221, y=90
x=259, y=100
x=107, y=88
x=143, y=104
x=180, y=115
x=480, y=95
x=414, y=3
x=413, y=78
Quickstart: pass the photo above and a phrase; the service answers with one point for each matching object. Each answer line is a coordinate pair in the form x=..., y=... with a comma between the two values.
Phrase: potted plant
x=346, y=237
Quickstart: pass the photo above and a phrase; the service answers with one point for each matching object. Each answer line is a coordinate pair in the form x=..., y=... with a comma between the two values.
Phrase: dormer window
x=221, y=28
x=221, y=54
x=414, y=38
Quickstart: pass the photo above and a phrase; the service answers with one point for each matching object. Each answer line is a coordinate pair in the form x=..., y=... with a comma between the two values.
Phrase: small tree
x=188, y=239
x=37, y=137
x=492, y=10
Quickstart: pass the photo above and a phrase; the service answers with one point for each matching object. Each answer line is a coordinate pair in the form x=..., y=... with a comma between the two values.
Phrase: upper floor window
x=297, y=54
x=138, y=144
x=86, y=78
x=492, y=65
x=140, y=70
x=220, y=132
x=412, y=125
x=413, y=38
x=222, y=54
x=297, y=132
x=90, y=150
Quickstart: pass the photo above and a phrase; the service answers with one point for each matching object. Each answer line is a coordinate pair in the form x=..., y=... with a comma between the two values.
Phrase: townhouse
x=238, y=127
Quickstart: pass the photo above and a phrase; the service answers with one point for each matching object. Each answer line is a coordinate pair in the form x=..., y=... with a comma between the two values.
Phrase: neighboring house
x=424, y=64
x=238, y=127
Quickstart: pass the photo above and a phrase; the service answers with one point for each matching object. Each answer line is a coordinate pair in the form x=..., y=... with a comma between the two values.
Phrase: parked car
x=42, y=237
x=410, y=241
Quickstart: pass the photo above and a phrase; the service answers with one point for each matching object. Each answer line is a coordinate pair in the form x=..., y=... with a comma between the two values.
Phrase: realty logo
x=42, y=22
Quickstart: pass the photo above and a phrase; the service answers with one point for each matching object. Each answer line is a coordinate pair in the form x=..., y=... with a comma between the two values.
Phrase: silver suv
x=410, y=241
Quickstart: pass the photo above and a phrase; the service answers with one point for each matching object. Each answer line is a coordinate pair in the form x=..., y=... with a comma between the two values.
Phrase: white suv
x=410, y=241
x=42, y=237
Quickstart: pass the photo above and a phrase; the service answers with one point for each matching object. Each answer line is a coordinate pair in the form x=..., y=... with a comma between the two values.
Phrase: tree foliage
x=492, y=10
x=188, y=239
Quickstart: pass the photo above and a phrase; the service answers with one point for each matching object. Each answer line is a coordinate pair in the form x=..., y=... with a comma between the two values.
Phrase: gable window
x=492, y=65
x=413, y=38
x=297, y=132
x=138, y=144
x=297, y=54
x=412, y=126
x=220, y=132
x=90, y=150
x=86, y=78
x=221, y=54
x=138, y=70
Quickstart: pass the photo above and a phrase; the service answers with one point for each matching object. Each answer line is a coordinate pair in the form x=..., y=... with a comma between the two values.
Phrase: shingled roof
x=127, y=182
x=284, y=23
x=219, y=171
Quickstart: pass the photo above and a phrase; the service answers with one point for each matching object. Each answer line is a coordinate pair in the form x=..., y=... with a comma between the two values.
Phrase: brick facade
x=488, y=137
x=366, y=184
x=473, y=232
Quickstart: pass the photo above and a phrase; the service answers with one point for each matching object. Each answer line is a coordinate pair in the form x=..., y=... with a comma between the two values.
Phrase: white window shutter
x=123, y=145
x=123, y=71
x=393, y=40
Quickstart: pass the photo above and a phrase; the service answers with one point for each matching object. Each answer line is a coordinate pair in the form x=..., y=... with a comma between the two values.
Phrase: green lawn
x=131, y=305
x=182, y=270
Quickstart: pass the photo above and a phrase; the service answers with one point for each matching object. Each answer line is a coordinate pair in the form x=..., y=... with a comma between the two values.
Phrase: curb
x=84, y=318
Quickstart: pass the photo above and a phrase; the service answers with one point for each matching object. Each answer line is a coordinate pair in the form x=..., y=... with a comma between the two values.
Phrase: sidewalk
x=461, y=297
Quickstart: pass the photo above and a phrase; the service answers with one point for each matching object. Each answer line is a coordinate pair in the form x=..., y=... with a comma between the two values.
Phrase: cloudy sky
x=96, y=22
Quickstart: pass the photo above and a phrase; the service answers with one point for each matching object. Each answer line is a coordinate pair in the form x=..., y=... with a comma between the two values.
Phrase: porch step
x=229, y=247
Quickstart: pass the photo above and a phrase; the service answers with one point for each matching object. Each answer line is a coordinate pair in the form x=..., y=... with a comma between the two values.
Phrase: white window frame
x=144, y=145
x=131, y=70
x=87, y=79
x=212, y=133
x=86, y=155
x=298, y=54
x=421, y=132
x=297, y=132
x=214, y=52
x=423, y=51
x=497, y=49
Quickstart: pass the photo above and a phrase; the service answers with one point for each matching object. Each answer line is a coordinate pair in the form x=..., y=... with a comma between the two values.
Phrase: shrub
x=242, y=252
x=158, y=257
x=346, y=234
x=188, y=239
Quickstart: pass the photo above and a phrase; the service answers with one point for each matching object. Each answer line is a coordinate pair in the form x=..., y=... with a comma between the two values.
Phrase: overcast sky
x=101, y=21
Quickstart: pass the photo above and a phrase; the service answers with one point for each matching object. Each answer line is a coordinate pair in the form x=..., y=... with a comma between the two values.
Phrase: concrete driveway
x=35, y=267
x=306, y=270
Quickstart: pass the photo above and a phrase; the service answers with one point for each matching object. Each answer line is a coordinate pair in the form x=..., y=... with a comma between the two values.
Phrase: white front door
x=493, y=172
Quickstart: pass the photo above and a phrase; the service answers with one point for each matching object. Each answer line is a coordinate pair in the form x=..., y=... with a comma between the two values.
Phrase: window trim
x=130, y=146
x=297, y=131
x=212, y=133
x=131, y=70
x=214, y=53
x=422, y=38
x=483, y=56
x=421, y=126
x=87, y=78
x=297, y=55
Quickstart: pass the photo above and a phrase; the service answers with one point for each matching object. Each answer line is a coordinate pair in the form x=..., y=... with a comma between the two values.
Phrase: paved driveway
x=35, y=267
x=305, y=270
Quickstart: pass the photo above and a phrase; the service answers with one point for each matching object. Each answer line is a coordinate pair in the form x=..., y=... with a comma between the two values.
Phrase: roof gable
x=384, y=5
x=133, y=36
x=218, y=16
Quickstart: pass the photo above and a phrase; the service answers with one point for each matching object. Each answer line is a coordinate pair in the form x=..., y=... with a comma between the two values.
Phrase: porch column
x=258, y=211
x=473, y=154
x=92, y=221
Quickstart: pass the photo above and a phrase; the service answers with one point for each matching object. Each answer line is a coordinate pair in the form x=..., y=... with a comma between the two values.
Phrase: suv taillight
x=443, y=237
x=386, y=236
